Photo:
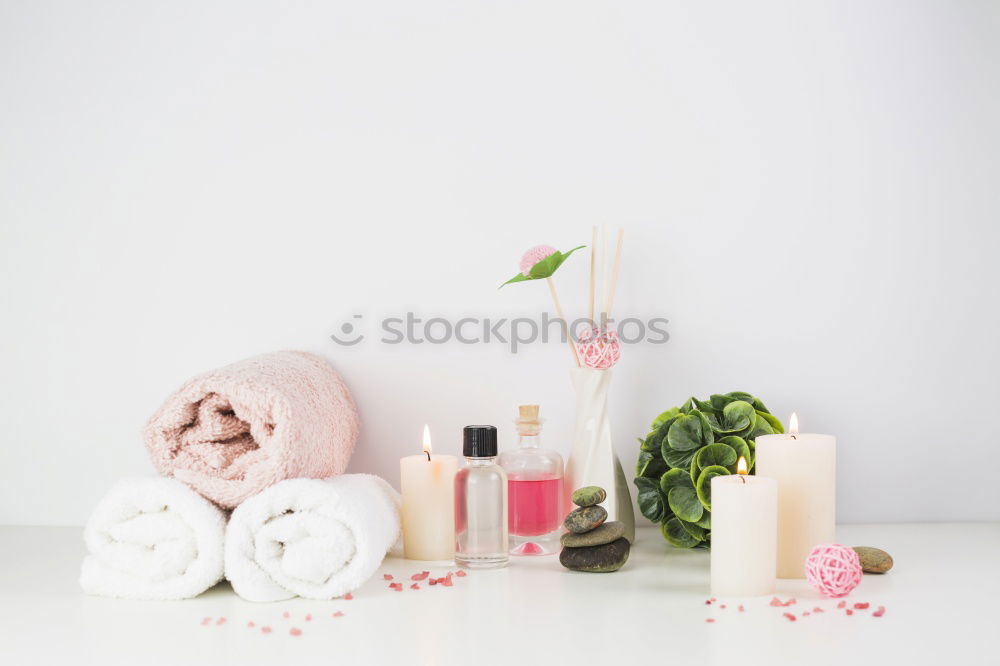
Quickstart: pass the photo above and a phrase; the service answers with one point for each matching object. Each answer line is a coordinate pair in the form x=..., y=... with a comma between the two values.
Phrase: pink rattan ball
x=533, y=256
x=833, y=569
x=598, y=349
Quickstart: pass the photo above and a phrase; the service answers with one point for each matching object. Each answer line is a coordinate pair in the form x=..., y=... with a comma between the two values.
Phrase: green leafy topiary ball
x=688, y=446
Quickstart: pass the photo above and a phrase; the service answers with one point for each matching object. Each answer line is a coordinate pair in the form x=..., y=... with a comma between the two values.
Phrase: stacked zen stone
x=592, y=544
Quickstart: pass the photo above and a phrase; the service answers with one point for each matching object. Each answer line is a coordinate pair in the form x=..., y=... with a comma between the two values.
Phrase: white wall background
x=810, y=191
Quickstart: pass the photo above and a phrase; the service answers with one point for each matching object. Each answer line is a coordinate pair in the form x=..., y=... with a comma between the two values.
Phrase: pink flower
x=533, y=256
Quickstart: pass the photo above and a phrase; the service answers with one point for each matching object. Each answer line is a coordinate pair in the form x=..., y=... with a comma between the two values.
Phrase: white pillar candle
x=744, y=534
x=805, y=467
x=427, y=485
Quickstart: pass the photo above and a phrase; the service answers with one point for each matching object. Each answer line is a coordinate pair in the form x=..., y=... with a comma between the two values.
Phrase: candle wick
x=428, y=455
x=743, y=478
x=794, y=436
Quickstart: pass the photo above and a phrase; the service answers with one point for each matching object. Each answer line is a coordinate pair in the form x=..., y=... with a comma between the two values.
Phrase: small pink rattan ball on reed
x=598, y=349
x=833, y=569
x=533, y=256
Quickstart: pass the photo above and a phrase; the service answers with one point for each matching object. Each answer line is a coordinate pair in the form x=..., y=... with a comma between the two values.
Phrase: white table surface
x=941, y=603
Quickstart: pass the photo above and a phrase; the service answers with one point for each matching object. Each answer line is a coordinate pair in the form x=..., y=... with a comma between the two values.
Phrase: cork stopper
x=528, y=422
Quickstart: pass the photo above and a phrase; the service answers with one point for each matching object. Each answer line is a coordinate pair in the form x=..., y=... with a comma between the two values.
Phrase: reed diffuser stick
x=614, y=271
x=604, y=274
x=593, y=270
x=559, y=313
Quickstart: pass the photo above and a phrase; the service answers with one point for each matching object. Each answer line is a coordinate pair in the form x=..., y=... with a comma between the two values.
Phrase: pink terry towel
x=234, y=431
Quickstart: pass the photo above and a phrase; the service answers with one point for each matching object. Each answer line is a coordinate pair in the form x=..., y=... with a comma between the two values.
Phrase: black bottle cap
x=479, y=441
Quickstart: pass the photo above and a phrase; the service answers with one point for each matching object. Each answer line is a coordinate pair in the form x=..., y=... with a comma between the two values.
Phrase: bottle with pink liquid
x=534, y=489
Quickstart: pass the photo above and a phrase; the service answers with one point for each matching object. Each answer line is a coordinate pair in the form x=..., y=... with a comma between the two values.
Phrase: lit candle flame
x=741, y=466
x=793, y=424
x=427, y=441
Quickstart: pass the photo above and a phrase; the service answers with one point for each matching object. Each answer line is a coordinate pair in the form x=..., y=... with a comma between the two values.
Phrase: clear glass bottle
x=480, y=502
x=534, y=489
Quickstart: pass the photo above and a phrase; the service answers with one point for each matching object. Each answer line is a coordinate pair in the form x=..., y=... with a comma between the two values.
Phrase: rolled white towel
x=153, y=538
x=311, y=538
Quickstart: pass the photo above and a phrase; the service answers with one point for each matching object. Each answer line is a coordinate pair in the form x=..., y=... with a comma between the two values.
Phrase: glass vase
x=593, y=461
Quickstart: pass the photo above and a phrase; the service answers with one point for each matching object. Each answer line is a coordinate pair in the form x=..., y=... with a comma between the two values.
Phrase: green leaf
x=737, y=417
x=740, y=448
x=704, y=485
x=544, y=268
x=706, y=520
x=771, y=420
x=675, y=478
x=680, y=459
x=694, y=529
x=760, y=427
x=719, y=401
x=650, y=499
x=707, y=436
x=669, y=414
x=547, y=266
x=657, y=437
x=759, y=406
x=704, y=405
x=642, y=461
x=688, y=432
x=651, y=443
x=650, y=465
x=520, y=277
x=714, y=454
x=676, y=535
x=685, y=504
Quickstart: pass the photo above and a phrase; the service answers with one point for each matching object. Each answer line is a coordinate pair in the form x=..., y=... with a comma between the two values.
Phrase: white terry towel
x=153, y=538
x=312, y=538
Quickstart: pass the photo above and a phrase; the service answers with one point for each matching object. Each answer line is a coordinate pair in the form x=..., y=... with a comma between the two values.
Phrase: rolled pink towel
x=232, y=432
